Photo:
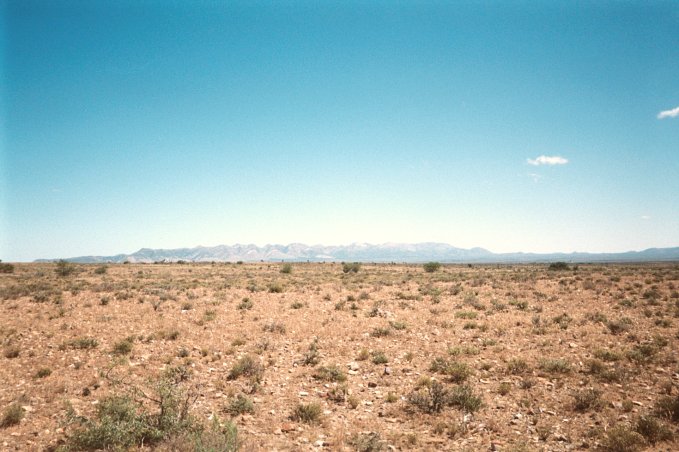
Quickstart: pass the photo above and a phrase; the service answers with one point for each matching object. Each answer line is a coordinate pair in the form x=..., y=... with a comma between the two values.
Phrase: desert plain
x=325, y=356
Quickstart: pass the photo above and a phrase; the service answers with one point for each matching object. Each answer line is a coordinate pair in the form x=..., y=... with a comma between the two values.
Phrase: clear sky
x=513, y=126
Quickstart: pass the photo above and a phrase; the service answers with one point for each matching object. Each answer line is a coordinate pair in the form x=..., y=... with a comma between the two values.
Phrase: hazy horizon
x=510, y=126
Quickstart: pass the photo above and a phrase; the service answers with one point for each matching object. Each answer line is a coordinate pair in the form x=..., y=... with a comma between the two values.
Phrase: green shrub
x=12, y=415
x=83, y=343
x=309, y=413
x=286, y=269
x=367, y=442
x=312, y=356
x=558, y=266
x=378, y=357
x=123, y=347
x=430, y=399
x=380, y=332
x=456, y=371
x=587, y=399
x=555, y=366
x=621, y=439
x=123, y=422
x=241, y=404
x=64, y=268
x=517, y=366
x=431, y=267
x=463, y=397
x=6, y=268
x=246, y=366
x=351, y=267
x=329, y=373
x=245, y=303
x=275, y=287
x=652, y=429
x=101, y=270
x=668, y=407
x=43, y=372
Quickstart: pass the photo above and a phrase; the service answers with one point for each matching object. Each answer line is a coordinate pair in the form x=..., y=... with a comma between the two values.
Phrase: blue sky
x=514, y=126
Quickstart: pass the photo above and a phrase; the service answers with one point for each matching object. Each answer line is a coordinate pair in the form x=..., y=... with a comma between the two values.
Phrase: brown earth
x=561, y=359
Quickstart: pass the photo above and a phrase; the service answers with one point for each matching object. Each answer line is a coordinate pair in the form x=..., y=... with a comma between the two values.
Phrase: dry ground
x=560, y=360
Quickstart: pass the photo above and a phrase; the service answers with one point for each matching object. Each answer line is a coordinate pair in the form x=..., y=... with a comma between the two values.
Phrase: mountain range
x=364, y=252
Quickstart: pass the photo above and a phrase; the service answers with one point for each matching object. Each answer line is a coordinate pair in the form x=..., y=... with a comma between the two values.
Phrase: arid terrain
x=339, y=357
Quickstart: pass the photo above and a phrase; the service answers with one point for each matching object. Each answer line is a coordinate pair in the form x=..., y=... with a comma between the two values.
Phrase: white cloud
x=645, y=217
x=536, y=177
x=673, y=113
x=547, y=160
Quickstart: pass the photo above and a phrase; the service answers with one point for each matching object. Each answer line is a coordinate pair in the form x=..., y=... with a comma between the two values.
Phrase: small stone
x=372, y=384
x=387, y=370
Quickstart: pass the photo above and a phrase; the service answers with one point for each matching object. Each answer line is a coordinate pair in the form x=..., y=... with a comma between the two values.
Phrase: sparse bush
x=504, y=388
x=245, y=304
x=378, y=357
x=329, y=373
x=668, y=408
x=652, y=429
x=43, y=372
x=367, y=442
x=456, y=371
x=517, y=366
x=555, y=366
x=431, y=267
x=123, y=347
x=563, y=320
x=338, y=393
x=312, y=357
x=607, y=355
x=309, y=413
x=642, y=353
x=286, y=269
x=209, y=315
x=464, y=398
x=587, y=399
x=398, y=326
x=380, y=332
x=64, y=268
x=6, y=268
x=11, y=351
x=274, y=327
x=83, y=343
x=430, y=399
x=353, y=267
x=101, y=270
x=240, y=404
x=619, y=326
x=275, y=287
x=621, y=439
x=246, y=366
x=558, y=266
x=12, y=415
x=122, y=421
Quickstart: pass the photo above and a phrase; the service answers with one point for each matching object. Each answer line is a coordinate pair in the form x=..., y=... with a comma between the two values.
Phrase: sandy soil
x=558, y=358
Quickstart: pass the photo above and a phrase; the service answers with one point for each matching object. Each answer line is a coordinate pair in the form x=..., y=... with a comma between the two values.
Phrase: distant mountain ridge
x=365, y=252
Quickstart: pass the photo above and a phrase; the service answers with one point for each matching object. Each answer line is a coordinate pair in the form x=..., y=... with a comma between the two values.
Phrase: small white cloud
x=673, y=113
x=547, y=160
x=536, y=177
x=645, y=217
